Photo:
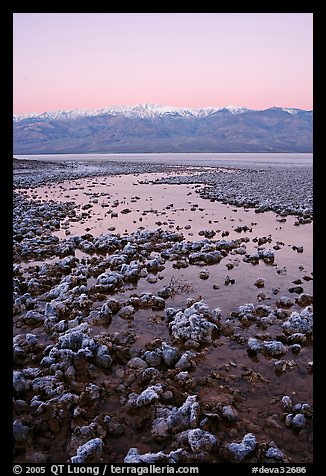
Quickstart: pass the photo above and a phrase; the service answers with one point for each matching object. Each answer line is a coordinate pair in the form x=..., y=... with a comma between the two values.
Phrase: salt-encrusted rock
x=304, y=299
x=280, y=313
x=192, y=326
x=133, y=457
x=161, y=426
x=245, y=311
x=173, y=419
x=74, y=340
x=282, y=366
x=83, y=302
x=127, y=312
x=149, y=300
x=182, y=376
x=166, y=236
x=298, y=421
x=295, y=348
x=306, y=410
x=170, y=354
x=92, y=393
x=155, y=265
x=170, y=312
x=103, y=357
x=47, y=385
x=239, y=228
x=35, y=402
x=149, y=374
x=228, y=280
x=268, y=256
x=216, y=315
x=274, y=453
x=18, y=306
x=149, y=396
x=274, y=348
x=186, y=361
x=240, y=251
x=212, y=257
x=287, y=402
x=129, y=249
x=20, y=406
x=200, y=440
x=262, y=240
x=92, y=448
x=59, y=291
x=297, y=338
x=259, y=283
x=110, y=281
x=238, y=452
x=137, y=363
x=31, y=339
x=288, y=420
x=70, y=373
x=263, y=310
x=67, y=263
x=302, y=323
x=33, y=317
x=20, y=431
x=204, y=274
x=165, y=292
x=253, y=345
x=181, y=263
x=19, y=355
x=229, y=414
x=296, y=289
x=106, y=314
x=207, y=233
x=54, y=309
x=131, y=272
x=192, y=330
x=251, y=258
x=284, y=302
x=265, y=321
x=86, y=246
x=132, y=401
x=113, y=305
x=60, y=327
x=153, y=358
x=20, y=385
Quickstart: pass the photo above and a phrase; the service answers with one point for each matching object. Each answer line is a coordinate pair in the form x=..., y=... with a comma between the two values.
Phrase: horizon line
x=130, y=106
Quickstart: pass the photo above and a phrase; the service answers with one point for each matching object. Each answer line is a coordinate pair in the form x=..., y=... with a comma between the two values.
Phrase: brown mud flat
x=148, y=317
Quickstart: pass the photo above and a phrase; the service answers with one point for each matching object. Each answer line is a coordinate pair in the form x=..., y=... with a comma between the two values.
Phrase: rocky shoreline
x=117, y=359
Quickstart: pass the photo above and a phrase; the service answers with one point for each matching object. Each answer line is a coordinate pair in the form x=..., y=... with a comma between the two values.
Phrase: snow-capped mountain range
x=157, y=128
x=140, y=110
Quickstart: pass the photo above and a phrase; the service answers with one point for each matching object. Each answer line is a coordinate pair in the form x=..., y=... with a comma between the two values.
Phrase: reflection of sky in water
x=179, y=208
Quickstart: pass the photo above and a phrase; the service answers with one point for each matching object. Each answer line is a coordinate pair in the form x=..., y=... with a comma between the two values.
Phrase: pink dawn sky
x=96, y=60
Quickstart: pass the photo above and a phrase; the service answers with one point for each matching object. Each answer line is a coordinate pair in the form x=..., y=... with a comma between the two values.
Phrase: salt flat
x=146, y=293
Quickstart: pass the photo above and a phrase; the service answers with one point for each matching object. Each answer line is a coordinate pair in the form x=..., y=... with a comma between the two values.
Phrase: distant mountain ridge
x=155, y=128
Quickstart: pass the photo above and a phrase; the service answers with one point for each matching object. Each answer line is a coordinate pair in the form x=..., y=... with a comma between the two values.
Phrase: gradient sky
x=95, y=60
